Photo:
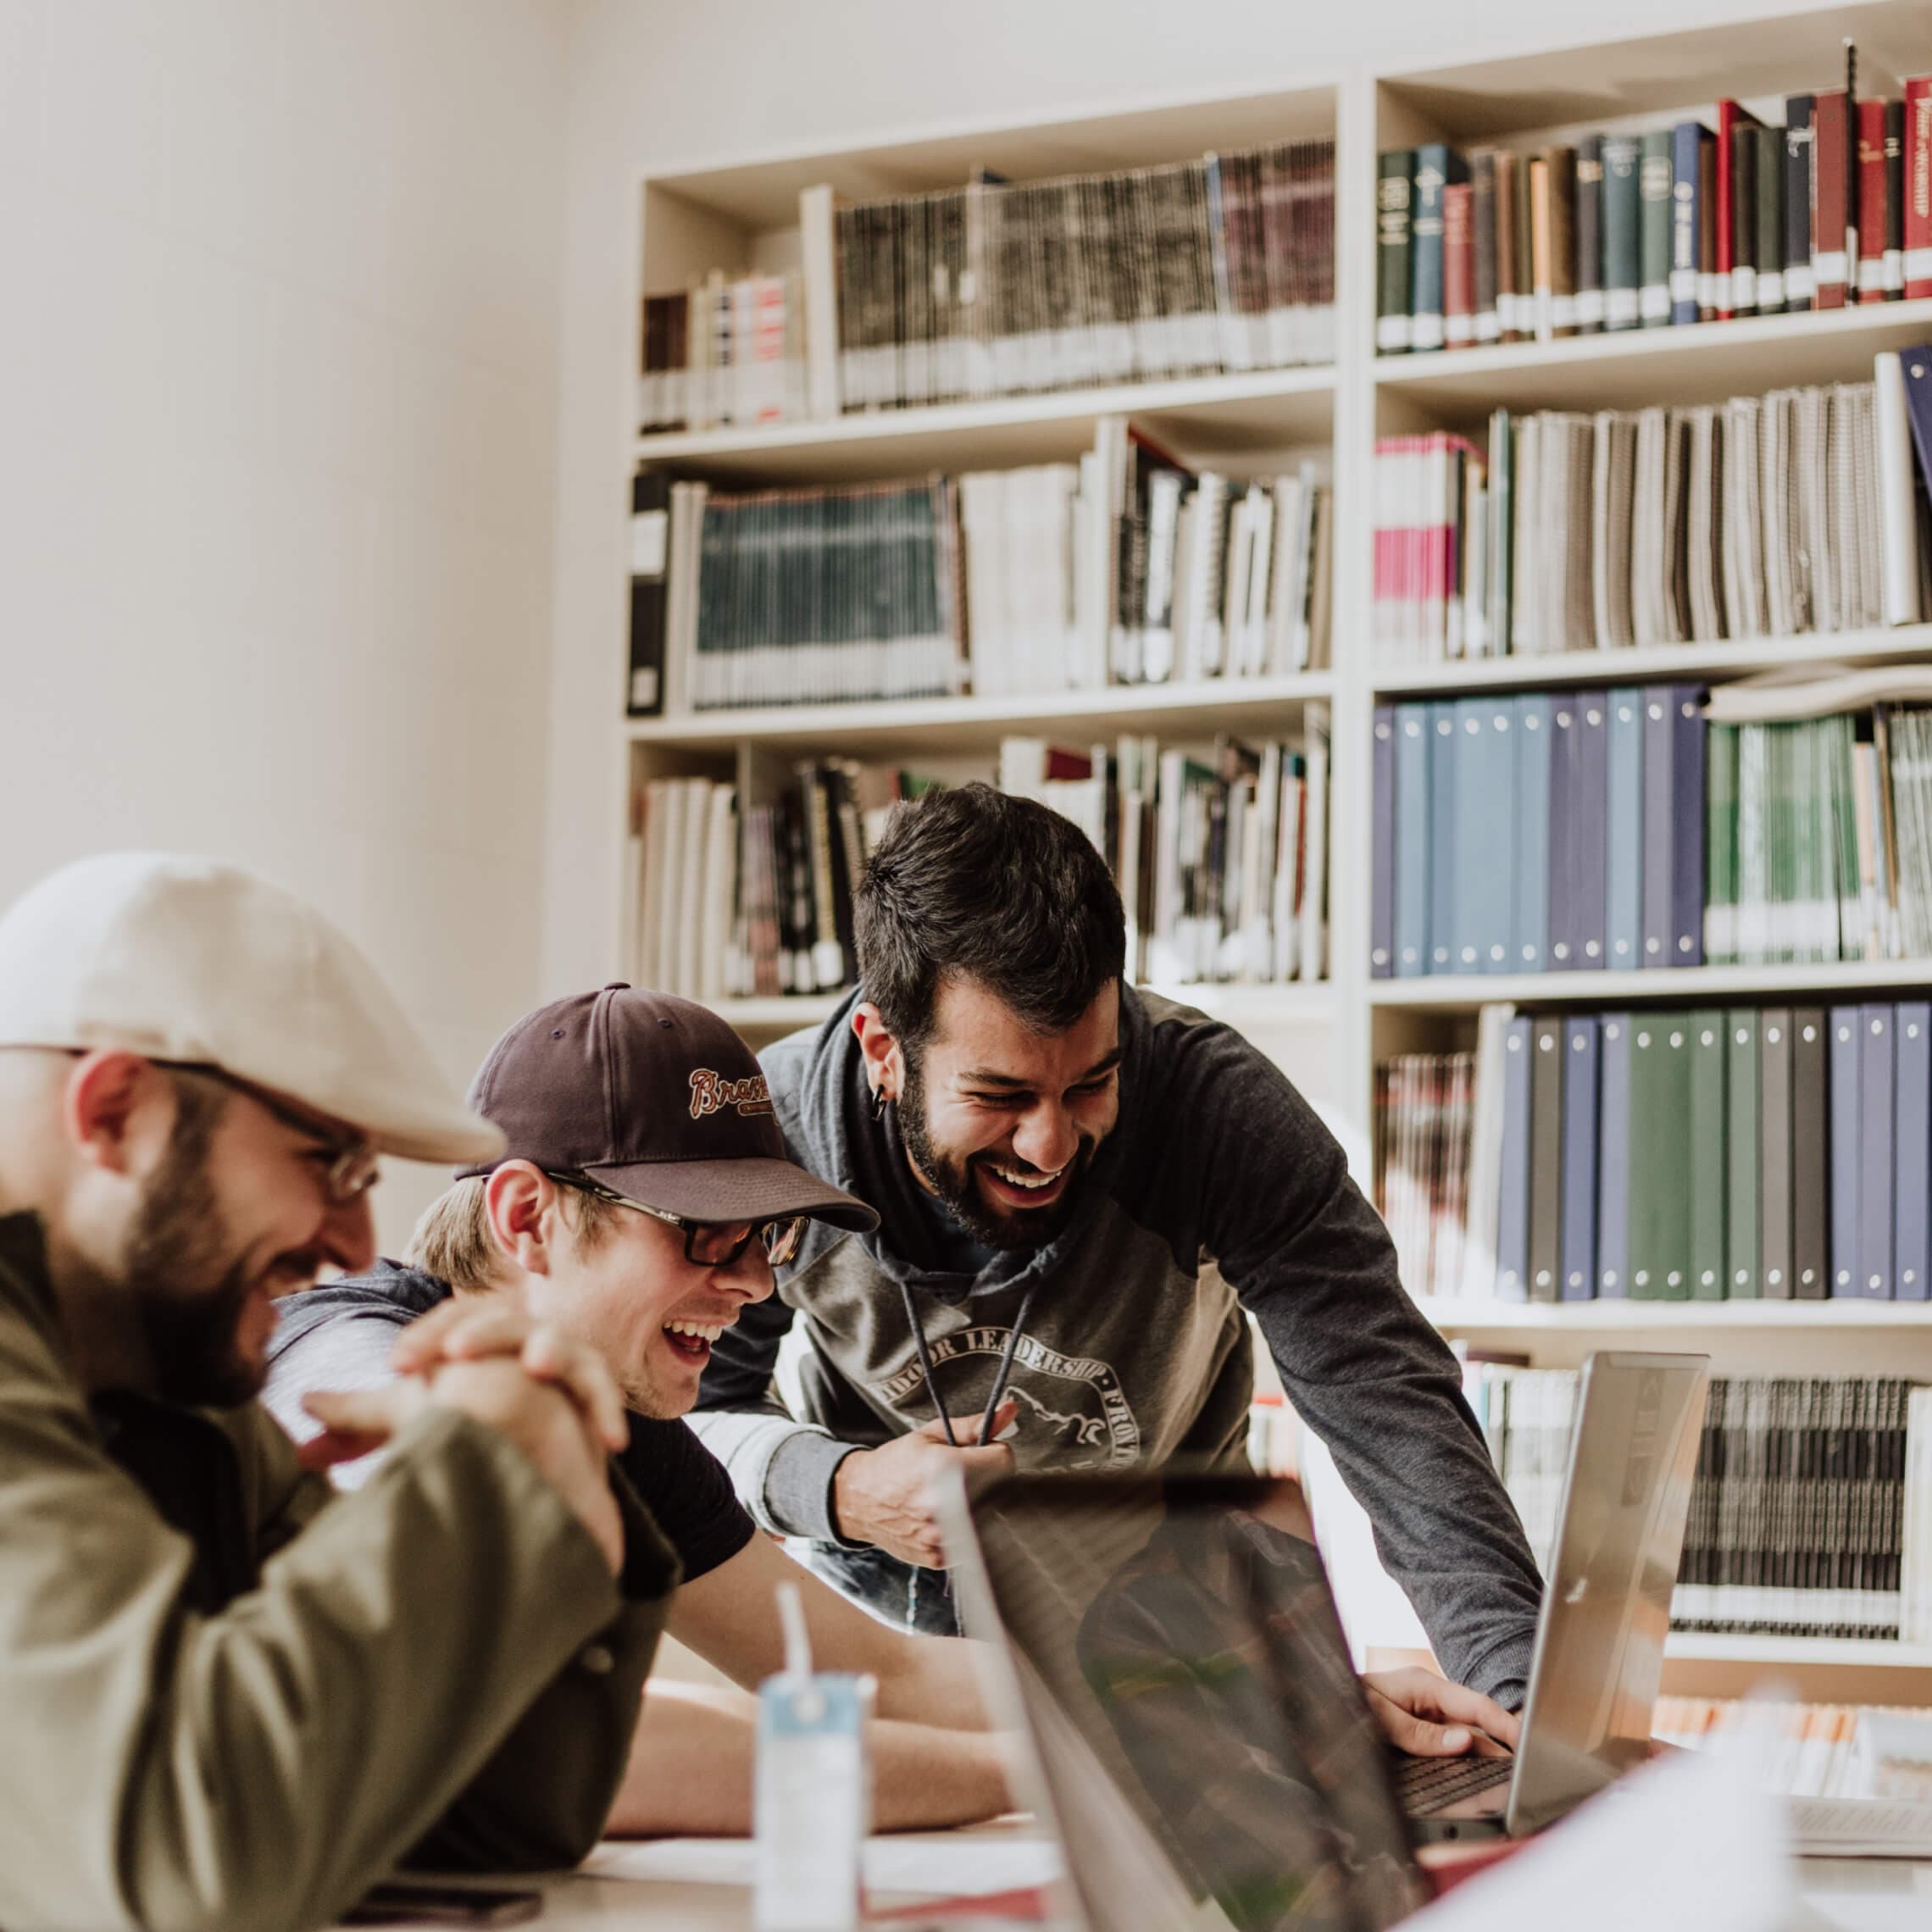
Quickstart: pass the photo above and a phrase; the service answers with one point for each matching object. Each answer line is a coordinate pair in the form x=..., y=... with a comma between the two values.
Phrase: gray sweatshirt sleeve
x=1312, y=1260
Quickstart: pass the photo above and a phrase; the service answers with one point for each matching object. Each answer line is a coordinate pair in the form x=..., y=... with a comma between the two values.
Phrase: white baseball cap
x=178, y=957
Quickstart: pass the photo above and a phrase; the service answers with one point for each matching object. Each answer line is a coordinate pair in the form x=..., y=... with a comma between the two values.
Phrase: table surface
x=1840, y=1894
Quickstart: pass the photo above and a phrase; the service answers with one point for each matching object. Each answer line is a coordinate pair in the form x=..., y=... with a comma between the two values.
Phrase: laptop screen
x=1183, y=1629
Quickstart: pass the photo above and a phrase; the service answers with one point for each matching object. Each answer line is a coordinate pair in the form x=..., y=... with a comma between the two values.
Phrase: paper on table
x=1685, y=1841
x=948, y=1864
x=1844, y=1828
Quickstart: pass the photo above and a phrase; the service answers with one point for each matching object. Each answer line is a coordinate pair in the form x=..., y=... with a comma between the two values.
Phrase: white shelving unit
x=1330, y=1037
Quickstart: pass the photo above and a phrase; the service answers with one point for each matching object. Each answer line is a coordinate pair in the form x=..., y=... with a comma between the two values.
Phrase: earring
x=879, y=1098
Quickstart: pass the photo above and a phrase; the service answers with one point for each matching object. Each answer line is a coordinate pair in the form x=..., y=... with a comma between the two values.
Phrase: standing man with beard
x=232, y=1699
x=1083, y=1190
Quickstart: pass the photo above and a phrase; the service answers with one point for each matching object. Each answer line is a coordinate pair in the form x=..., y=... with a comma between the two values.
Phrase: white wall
x=655, y=84
x=278, y=353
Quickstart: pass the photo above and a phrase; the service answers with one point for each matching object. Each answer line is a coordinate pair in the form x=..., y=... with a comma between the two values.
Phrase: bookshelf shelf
x=1257, y=413
x=1870, y=1652
x=1663, y=1319
x=1686, y=987
x=1244, y=704
x=1668, y=663
x=1636, y=368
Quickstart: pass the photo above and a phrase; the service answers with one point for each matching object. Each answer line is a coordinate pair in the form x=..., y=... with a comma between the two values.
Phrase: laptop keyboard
x=1425, y=1785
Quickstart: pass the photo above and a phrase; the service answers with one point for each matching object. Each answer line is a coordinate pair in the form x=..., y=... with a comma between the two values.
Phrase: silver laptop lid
x=1203, y=1743
x=1599, y=1655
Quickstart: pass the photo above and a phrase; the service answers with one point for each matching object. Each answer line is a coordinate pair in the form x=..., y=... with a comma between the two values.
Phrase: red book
x=1730, y=115
x=1871, y=201
x=1831, y=208
x=1918, y=187
x=1458, y=265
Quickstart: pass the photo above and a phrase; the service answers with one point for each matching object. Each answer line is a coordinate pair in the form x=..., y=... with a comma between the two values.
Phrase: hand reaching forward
x=1430, y=1717
x=552, y=1396
x=880, y=1495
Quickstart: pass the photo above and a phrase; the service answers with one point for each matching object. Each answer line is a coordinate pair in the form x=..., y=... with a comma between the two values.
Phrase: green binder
x=1708, y=1179
x=1660, y=1156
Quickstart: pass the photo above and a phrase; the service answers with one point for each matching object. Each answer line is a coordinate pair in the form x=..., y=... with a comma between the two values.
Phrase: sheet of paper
x=943, y=1865
x=1686, y=1842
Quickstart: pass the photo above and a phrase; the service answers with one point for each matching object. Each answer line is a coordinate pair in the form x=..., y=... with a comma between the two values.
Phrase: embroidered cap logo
x=711, y=1093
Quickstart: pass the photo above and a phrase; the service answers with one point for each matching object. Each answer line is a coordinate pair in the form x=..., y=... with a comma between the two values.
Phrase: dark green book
x=1660, y=1156
x=1622, y=249
x=1708, y=1177
x=1775, y=1153
x=1653, y=222
x=1742, y=1211
x=1586, y=235
x=1394, y=243
x=1770, y=220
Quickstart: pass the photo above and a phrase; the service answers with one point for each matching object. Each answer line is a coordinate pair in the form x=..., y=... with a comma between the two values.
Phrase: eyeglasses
x=710, y=1244
x=353, y=1165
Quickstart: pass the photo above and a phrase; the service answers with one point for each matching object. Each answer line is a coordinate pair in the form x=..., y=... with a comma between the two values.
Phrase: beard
x=951, y=1177
x=187, y=1293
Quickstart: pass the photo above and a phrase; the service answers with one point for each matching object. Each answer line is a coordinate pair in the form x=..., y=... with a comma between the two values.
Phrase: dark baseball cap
x=657, y=1098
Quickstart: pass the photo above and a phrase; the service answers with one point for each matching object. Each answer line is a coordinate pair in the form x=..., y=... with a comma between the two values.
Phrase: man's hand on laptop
x=880, y=1495
x=1428, y=1717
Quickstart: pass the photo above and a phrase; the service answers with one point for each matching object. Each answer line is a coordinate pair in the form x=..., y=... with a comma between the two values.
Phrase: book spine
x=1533, y=734
x=1588, y=240
x=1846, y=1116
x=1870, y=190
x=1414, y=746
x=1542, y=290
x=1613, y=1159
x=1547, y=1159
x=1800, y=288
x=1912, y=1148
x=1382, y=910
x=1775, y=1153
x=1624, y=823
x=1740, y=279
x=1707, y=277
x=1660, y=771
x=1483, y=181
x=1707, y=1176
x=1394, y=245
x=1830, y=203
x=1918, y=197
x=1894, y=200
x=1687, y=801
x=1877, y=1082
x=1590, y=832
x=1729, y=200
x=1770, y=220
x=1622, y=232
x=1685, y=144
x=1511, y=323
x=1743, y=1210
x=1513, y=1192
x=650, y=594
x=1458, y=266
x=1444, y=754
x=1564, y=952
x=1811, y=1171
x=1433, y=163
x=1577, y=1241
x=1654, y=216
x=1562, y=257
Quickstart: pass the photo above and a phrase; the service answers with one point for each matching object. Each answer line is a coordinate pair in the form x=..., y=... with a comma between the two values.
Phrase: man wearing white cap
x=231, y=1700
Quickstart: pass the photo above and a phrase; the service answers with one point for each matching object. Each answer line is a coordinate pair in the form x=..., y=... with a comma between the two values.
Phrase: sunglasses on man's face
x=710, y=1244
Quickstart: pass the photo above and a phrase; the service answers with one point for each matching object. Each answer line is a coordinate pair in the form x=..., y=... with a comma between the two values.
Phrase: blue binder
x=1565, y=953
x=1846, y=1113
x=1580, y=1156
x=1876, y=1084
x=1660, y=834
x=1478, y=802
x=1382, y=891
x=1687, y=817
x=1411, y=866
x=1613, y=1159
x=1688, y=215
x=1512, y=1194
x=1590, y=833
x=1626, y=816
x=1445, y=749
x=1911, y=1208
x=1533, y=734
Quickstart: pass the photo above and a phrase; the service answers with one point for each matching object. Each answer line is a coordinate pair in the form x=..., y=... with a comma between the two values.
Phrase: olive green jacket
x=234, y=1699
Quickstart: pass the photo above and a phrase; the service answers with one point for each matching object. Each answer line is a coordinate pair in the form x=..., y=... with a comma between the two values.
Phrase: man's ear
x=526, y=1216
x=118, y=1110
x=885, y=1065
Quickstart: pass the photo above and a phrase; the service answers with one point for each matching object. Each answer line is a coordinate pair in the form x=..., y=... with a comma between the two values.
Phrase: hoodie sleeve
x=1312, y=1261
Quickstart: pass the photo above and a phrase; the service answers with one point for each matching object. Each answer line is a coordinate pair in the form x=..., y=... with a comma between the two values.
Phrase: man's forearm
x=781, y=1469
x=691, y=1764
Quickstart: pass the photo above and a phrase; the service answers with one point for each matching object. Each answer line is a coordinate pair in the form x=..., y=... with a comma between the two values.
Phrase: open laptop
x=1203, y=1744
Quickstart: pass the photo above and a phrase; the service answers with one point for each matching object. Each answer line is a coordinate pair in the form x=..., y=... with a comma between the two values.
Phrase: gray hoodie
x=1219, y=1190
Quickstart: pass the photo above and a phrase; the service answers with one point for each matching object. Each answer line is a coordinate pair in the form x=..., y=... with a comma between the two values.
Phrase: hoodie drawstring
x=1000, y=1379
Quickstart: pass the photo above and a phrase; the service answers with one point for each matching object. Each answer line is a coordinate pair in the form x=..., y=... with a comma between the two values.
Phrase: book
x=1546, y=1164
x=1845, y=1049
x=1394, y=244
x=1513, y=1210
x=1743, y=1165
x=1654, y=221
x=1689, y=216
x=1382, y=789
x=1586, y=239
x=1660, y=1182
x=1513, y=323
x=1578, y=1183
x=1912, y=1150
x=1869, y=189
x=1483, y=181
x=650, y=552
x=1733, y=216
x=1811, y=1115
x=1832, y=204
x=1916, y=168
x=1877, y=1079
x=1437, y=166
x=1799, y=286
x=1458, y=265
x=1613, y=1156
x=1622, y=232
x=1709, y=1179
x=1769, y=166
x=1775, y=1153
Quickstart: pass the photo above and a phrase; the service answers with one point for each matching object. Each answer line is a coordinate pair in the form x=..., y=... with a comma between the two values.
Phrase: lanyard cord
x=1000, y=1379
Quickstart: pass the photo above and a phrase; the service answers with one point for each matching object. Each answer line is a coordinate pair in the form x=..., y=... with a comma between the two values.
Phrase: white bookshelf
x=1330, y=1037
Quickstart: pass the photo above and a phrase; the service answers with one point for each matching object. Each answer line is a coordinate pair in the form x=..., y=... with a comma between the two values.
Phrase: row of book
x=1743, y=1154
x=1812, y=1750
x=1810, y=1508
x=1711, y=218
x=725, y=352
x=744, y=889
x=999, y=288
x=1624, y=829
x=1221, y=861
x=1128, y=567
x=1767, y=516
